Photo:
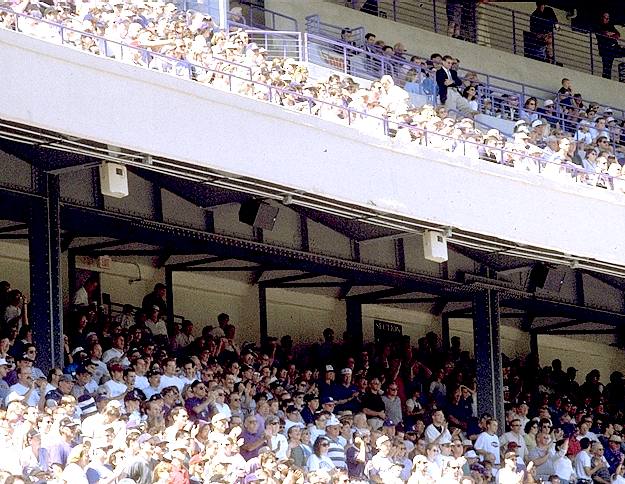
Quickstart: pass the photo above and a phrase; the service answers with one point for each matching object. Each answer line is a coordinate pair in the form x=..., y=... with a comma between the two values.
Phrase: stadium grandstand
x=312, y=242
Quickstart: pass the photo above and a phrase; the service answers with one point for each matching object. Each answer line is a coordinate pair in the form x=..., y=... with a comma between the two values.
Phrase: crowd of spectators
x=187, y=44
x=141, y=401
x=543, y=24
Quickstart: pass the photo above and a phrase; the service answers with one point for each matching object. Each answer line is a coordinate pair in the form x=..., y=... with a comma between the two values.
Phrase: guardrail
x=256, y=16
x=327, y=50
x=498, y=27
x=402, y=133
x=352, y=35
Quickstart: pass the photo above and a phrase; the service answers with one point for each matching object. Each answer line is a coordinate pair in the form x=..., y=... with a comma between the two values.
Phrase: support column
x=353, y=309
x=169, y=288
x=534, y=345
x=488, y=355
x=445, y=332
x=44, y=238
x=262, y=312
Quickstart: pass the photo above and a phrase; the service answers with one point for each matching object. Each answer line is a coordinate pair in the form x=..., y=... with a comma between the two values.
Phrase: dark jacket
x=441, y=77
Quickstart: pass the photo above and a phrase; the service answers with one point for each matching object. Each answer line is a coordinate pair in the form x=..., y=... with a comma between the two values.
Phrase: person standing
x=543, y=22
x=448, y=83
x=608, y=43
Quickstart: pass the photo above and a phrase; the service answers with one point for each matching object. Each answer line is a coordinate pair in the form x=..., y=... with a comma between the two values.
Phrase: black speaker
x=538, y=276
x=258, y=214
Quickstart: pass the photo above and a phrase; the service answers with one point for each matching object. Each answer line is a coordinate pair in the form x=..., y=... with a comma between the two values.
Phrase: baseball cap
x=68, y=422
x=471, y=455
x=218, y=417
x=325, y=400
x=332, y=421
x=3, y=362
x=549, y=102
x=329, y=368
x=381, y=440
x=346, y=371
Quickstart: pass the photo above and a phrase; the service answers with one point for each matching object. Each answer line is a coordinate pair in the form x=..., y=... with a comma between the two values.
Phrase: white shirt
x=19, y=390
x=432, y=433
x=172, y=381
x=488, y=443
x=324, y=462
x=81, y=298
x=582, y=459
x=279, y=446
x=149, y=391
x=115, y=389
x=141, y=382
x=563, y=467
x=112, y=353
x=158, y=328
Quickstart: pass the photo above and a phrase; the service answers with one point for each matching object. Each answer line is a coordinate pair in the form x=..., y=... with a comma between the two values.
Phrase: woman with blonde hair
x=160, y=475
x=74, y=472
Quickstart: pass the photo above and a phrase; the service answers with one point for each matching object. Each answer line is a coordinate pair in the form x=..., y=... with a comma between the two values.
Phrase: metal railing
x=351, y=35
x=278, y=43
x=368, y=63
x=403, y=133
x=258, y=17
x=497, y=27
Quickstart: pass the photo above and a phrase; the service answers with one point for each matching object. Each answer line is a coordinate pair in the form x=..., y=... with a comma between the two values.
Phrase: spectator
x=85, y=295
x=156, y=298
x=448, y=84
x=608, y=43
x=319, y=458
x=454, y=18
x=543, y=22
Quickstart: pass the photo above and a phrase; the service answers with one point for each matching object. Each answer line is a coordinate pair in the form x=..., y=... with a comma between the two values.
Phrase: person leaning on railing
x=609, y=46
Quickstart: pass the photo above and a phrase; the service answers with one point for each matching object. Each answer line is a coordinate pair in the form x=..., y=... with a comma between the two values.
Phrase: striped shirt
x=336, y=452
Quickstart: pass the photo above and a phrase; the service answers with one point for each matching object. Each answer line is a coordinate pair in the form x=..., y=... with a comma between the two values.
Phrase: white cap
x=381, y=440
x=332, y=421
x=3, y=362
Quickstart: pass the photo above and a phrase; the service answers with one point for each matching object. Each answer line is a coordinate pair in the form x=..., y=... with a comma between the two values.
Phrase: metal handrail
x=287, y=23
x=383, y=125
x=491, y=84
x=495, y=26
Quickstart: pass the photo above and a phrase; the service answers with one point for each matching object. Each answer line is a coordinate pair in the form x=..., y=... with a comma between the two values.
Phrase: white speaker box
x=113, y=180
x=434, y=246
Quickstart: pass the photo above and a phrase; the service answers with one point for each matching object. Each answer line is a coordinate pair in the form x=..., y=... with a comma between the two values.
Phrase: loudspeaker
x=258, y=214
x=113, y=180
x=538, y=276
x=434, y=246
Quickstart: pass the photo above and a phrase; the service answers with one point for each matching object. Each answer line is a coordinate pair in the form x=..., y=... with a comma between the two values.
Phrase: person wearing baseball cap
x=336, y=449
x=345, y=393
x=328, y=404
x=381, y=462
x=312, y=405
x=327, y=384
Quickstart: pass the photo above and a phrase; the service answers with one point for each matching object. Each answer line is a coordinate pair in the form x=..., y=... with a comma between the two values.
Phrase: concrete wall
x=311, y=154
x=479, y=58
